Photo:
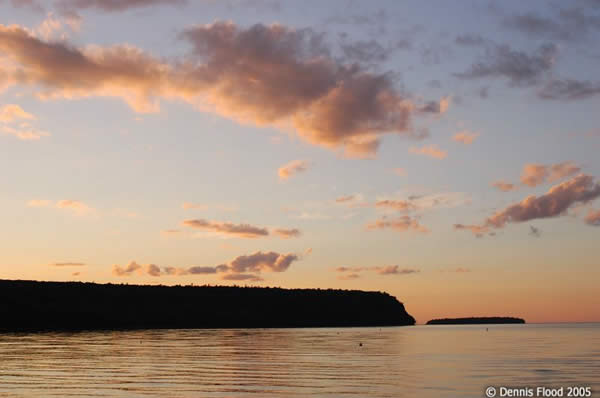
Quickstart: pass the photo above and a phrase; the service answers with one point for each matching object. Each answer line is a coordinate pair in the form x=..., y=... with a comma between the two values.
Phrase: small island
x=39, y=306
x=475, y=321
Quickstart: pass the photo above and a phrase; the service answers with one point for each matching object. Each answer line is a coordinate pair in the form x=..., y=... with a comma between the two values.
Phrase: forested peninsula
x=39, y=306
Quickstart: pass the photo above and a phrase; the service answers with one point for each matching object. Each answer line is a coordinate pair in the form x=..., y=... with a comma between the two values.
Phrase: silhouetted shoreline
x=39, y=306
x=475, y=321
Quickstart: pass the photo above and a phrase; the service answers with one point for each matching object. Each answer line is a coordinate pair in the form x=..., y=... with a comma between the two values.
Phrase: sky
x=444, y=153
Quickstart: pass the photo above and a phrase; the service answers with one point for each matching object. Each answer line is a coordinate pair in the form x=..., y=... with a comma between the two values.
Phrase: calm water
x=420, y=361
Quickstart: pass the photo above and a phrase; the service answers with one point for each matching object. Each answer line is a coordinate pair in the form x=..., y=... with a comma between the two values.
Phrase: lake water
x=419, y=361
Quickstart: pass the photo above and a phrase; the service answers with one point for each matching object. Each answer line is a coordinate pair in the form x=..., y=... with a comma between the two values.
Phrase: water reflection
x=421, y=361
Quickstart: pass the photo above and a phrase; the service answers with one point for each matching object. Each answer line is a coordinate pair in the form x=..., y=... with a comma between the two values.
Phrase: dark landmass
x=38, y=306
x=475, y=321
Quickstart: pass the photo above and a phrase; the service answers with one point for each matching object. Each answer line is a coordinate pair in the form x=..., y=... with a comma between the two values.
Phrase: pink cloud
x=465, y=137
x=431, y=151
x=593, y=218
x=225, y=228
x=505, y=186
x=402, y=223
x=554, y=203
x=292, y=168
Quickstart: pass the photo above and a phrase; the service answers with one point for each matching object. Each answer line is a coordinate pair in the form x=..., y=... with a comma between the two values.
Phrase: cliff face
x=29, y=305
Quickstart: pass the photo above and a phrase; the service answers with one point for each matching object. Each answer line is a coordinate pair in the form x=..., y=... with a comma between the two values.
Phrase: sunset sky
x=444, y=153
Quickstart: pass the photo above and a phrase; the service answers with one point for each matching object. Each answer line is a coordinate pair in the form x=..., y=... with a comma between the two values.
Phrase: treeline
x=31, y=305
x=475, y=320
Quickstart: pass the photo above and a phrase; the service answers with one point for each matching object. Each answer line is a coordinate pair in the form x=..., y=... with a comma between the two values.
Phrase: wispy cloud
x=402, y=223
x=292, y=168
x=240, y=230
x=465, y=137
x=39, y=203
x=348, y=273
x=519, y=68
x=536, y=174
x=505, y=186
x=76, y=206
x=593, y=218
x=431, y=151
x=67, y=264
x=15, y=121
x=227, y=229
x=205, y=207
x=287, y=233
x=12, y=112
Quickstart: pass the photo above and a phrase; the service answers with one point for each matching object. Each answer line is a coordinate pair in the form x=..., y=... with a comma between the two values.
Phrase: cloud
x=460, y=270
x=198, y=206
x=399, y=171
x=477, y=230
x=395, y=270
x=354, y=272
x=264, y=75
x=569, y=89
x=202, y=270
x=425, y=202
x=11, y=112
x=521, y=69
x=247, y=267
x=31, y=4
x=399, y=205
x=535, y=25
x=24, y=133
x=366, y=52
x=63, y=71
x=348, y=277
x=68, y=264
x=294, y=167
x=170, y=232
x=431, y=151
x=556, y=202
x=470, y=40
x=505, y=186
x=344, y=199
x=242, y=277
x=226, y=228
x=465, y=137
x=402, y=223
x=112, y=5
x=593, y=218
x=74, y=205
x=579, y=189
x=273, y=74
x=536, y=174
x=240, y=230
x=569, y=24
x=259, y=261
x=202, y=206
x=39, y=203
x=287, y=233
x=128, y=270
x=436, y=107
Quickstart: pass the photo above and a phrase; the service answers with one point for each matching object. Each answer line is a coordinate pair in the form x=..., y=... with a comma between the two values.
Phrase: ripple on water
x=422, y=361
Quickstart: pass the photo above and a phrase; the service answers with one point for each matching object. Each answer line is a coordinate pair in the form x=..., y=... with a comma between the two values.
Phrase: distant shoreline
x=73, y=306
x=476, y=321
